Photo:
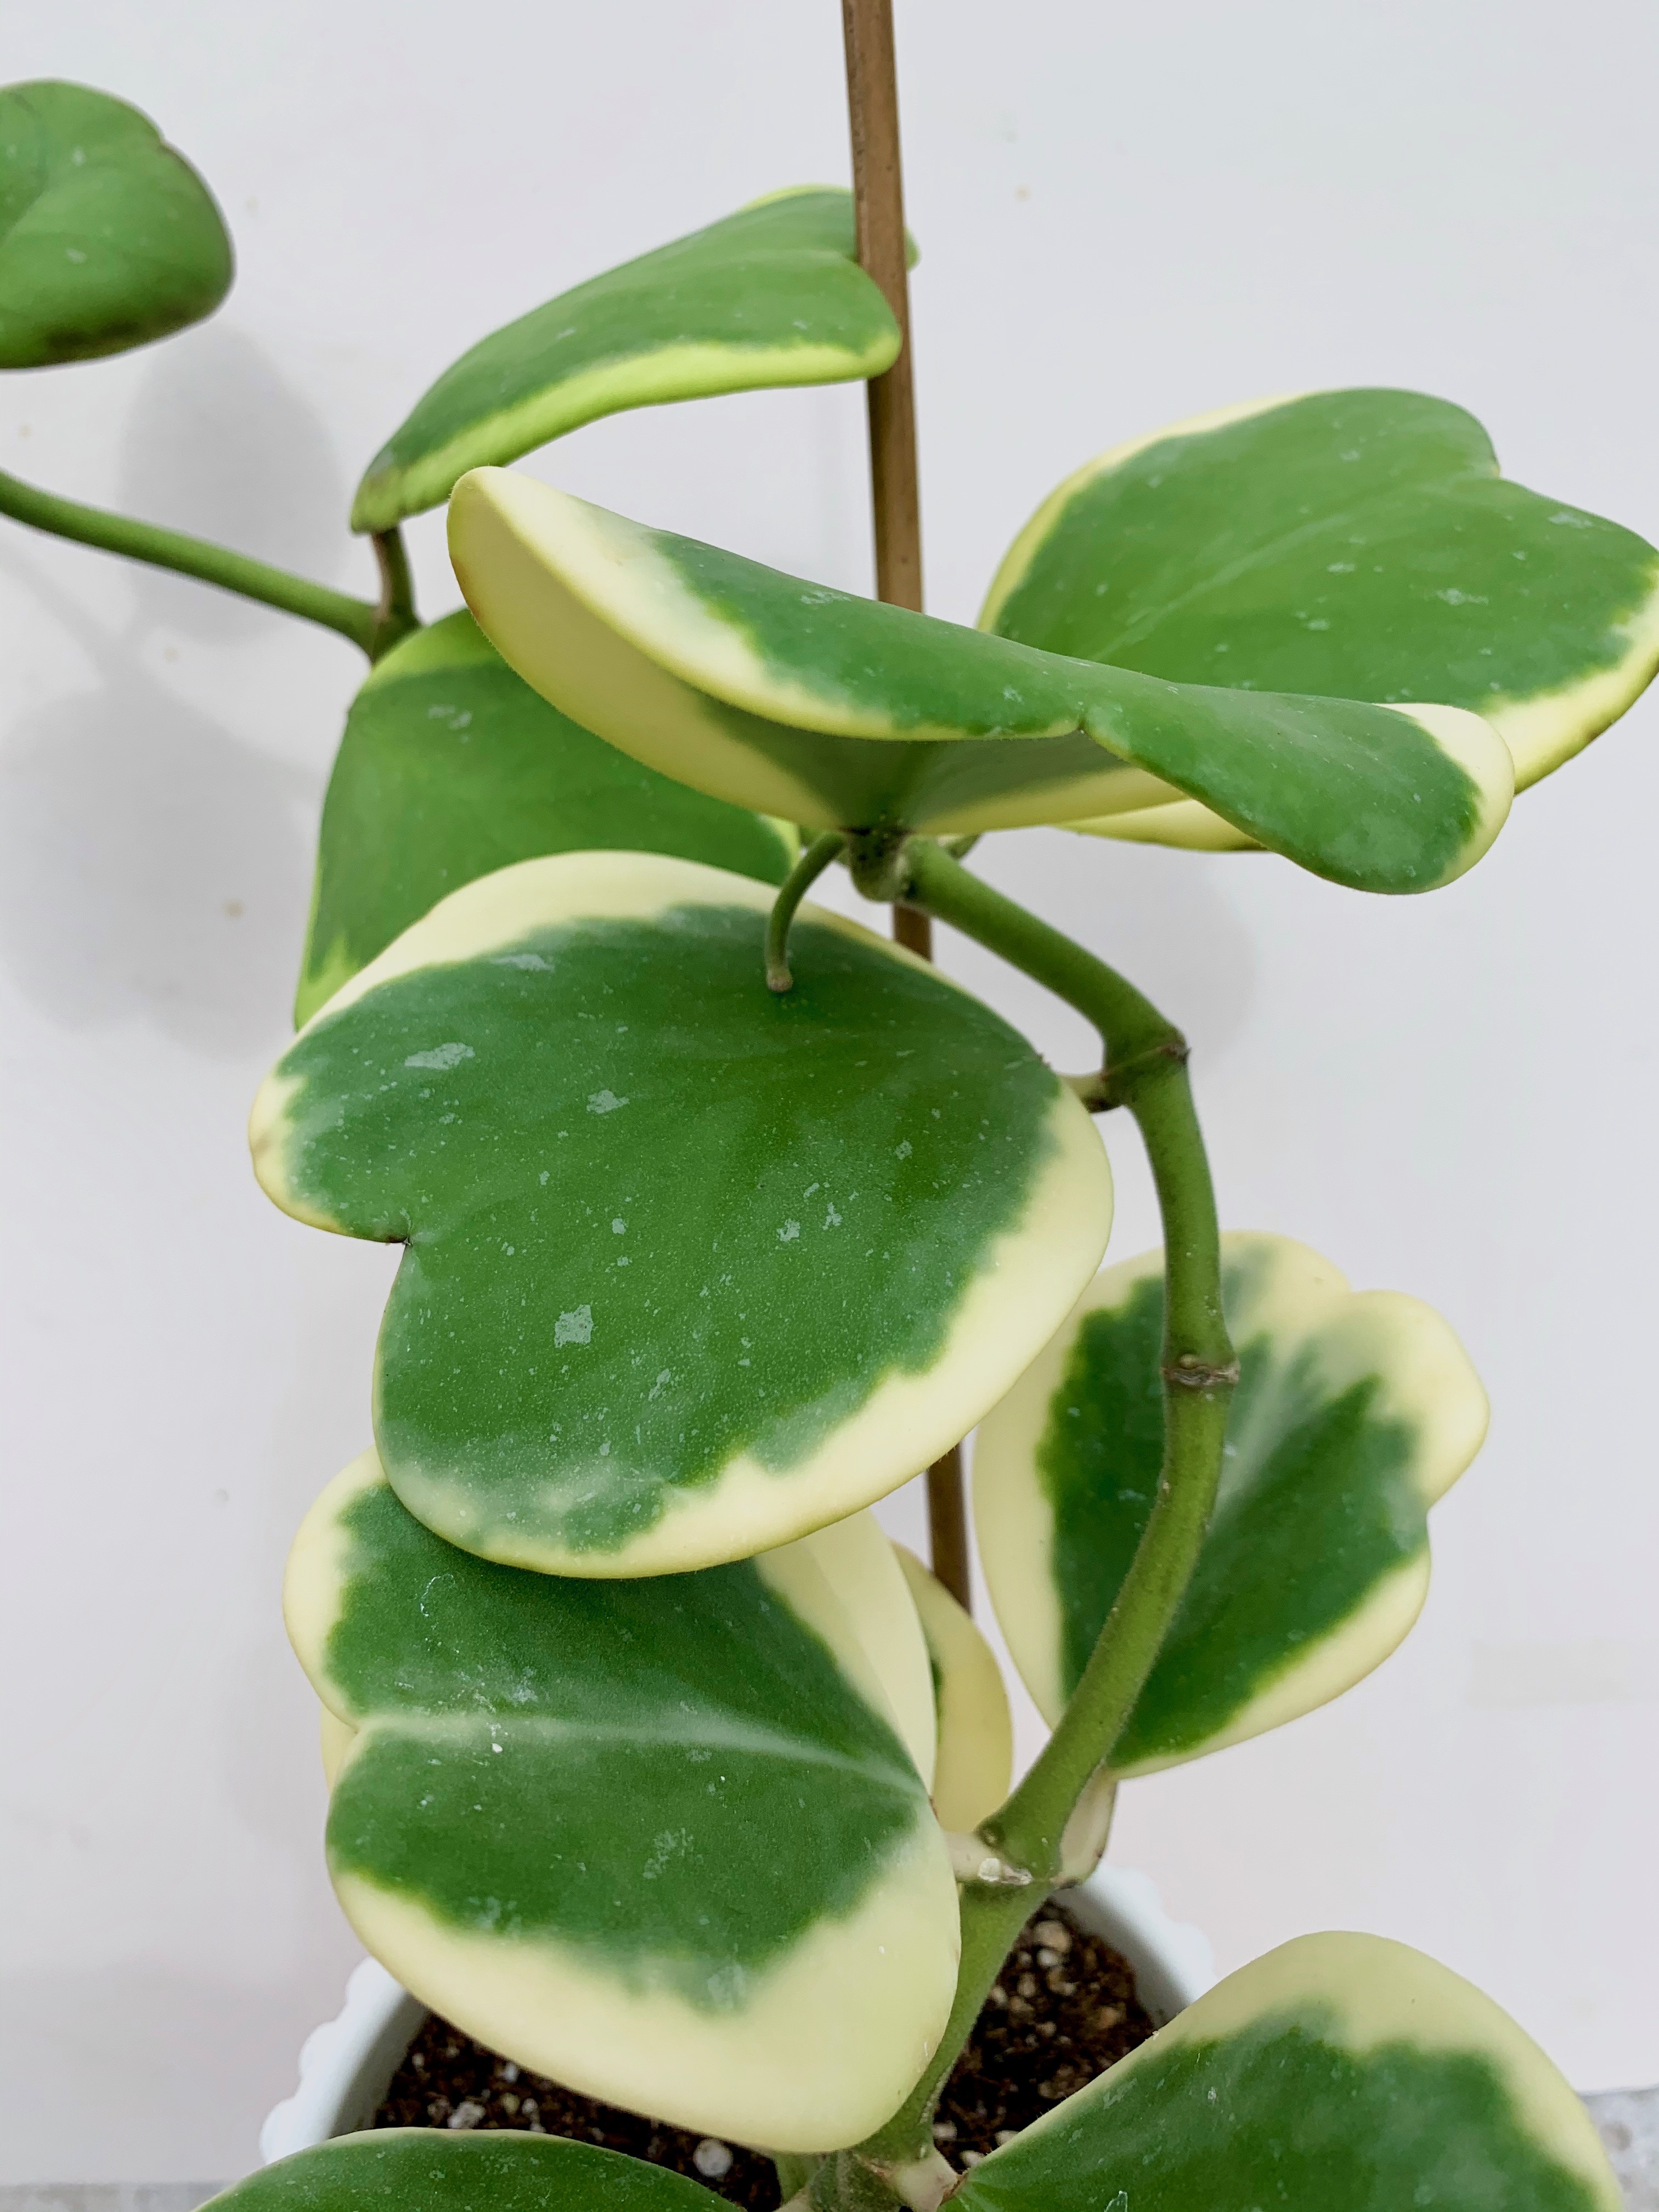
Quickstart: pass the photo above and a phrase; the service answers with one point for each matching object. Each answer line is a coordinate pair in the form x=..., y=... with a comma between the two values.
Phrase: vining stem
x=371, y=626
x=1145, y=1070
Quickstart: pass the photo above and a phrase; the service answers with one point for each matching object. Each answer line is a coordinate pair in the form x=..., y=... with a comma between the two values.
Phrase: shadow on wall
x=150, y=862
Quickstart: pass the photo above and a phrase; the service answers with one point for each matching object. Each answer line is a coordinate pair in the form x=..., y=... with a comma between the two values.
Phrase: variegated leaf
x=658, y=1839
x=838, y=712
x=771, y=296
x=975, y=1756
x=108, y=238
x=1351, y=544
x=432, y=2170
x=868, y=1572
x=1353, y=1414
x=1338, y=2074
x=451, y=767
x=689, y=1269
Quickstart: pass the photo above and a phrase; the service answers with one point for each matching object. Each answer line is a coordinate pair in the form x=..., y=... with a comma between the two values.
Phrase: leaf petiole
x=795, y=885
x=372, y=627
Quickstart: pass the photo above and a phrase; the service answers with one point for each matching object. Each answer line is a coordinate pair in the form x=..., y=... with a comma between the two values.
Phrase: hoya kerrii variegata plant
x=651, y=1761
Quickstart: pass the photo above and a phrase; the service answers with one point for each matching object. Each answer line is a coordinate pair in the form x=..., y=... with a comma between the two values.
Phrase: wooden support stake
x=879, y=212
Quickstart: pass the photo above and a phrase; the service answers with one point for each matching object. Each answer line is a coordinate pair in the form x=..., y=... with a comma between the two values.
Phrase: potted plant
x=651, y=1764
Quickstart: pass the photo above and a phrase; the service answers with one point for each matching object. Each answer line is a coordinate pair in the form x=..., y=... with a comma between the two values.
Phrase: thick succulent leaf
x=451, y=767
x=866, y=1569
x=771, y=296
x=838, y=712
x=659, y=1839
x=1338, y=2074
x=691, y=1268
x=434, y=2170
x=1184, y=823
x=108, y=238
x=1353, y=1414
x=974, y=1761
x=1351, y=544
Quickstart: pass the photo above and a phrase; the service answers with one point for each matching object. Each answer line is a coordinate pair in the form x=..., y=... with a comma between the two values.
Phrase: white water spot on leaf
x=532, y=961
x=1572, y=521
x=727, y=1986
x=1339, y=568
x=789, y=1232
x=831, y=1219
x=1453, y=597
x=902, y=1152
x=574, y=1328
x=542, y=1177
x=619, y=1227
x=603, y=1102
x=661, y=1383
x=669, y=1844
x=441, y=1055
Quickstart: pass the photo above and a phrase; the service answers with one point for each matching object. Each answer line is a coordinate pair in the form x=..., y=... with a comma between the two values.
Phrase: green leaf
x=451, y=767
x=108, y=238
x=1353, y=1414
x=660, y=1838
x=974, y=1761
x=432, y=2170
x=1338, y=2074
x=691, y=1268
x=770, y=296
x=840, y=713
x=1355, y=544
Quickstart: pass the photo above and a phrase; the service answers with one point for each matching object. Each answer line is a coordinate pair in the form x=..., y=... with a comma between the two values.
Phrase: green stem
x=361, y=620
x=395, y=616
x=1146, y=1070
x=795, y=885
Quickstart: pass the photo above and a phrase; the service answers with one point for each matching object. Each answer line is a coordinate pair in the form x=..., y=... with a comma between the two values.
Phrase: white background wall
x=1128, y=214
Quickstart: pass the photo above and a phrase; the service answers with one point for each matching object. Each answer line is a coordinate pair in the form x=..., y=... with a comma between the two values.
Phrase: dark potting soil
x=1064, y=2010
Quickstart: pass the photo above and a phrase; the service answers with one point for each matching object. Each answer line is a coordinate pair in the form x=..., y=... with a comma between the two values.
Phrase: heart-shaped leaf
x=432, y=2170
x=451, y=767
x=691, y=1268
x=841, y=713
x=1353, y=1414
x=773, y=294
x=658, y=1839
x=975, y=1760
x=1338, y=2074
x=1351, y=545
x=108, y=238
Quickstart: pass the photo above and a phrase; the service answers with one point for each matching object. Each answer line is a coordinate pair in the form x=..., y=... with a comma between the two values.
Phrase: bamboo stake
x=879, y=212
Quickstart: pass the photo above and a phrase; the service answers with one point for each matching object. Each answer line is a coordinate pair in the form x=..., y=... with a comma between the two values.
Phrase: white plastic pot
x=347, y=2065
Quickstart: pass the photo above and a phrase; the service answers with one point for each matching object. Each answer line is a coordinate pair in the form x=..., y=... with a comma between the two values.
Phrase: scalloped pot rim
x=346, y=2064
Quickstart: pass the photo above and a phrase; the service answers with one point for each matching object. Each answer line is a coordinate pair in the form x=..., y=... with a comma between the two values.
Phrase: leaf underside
x=838, y=712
